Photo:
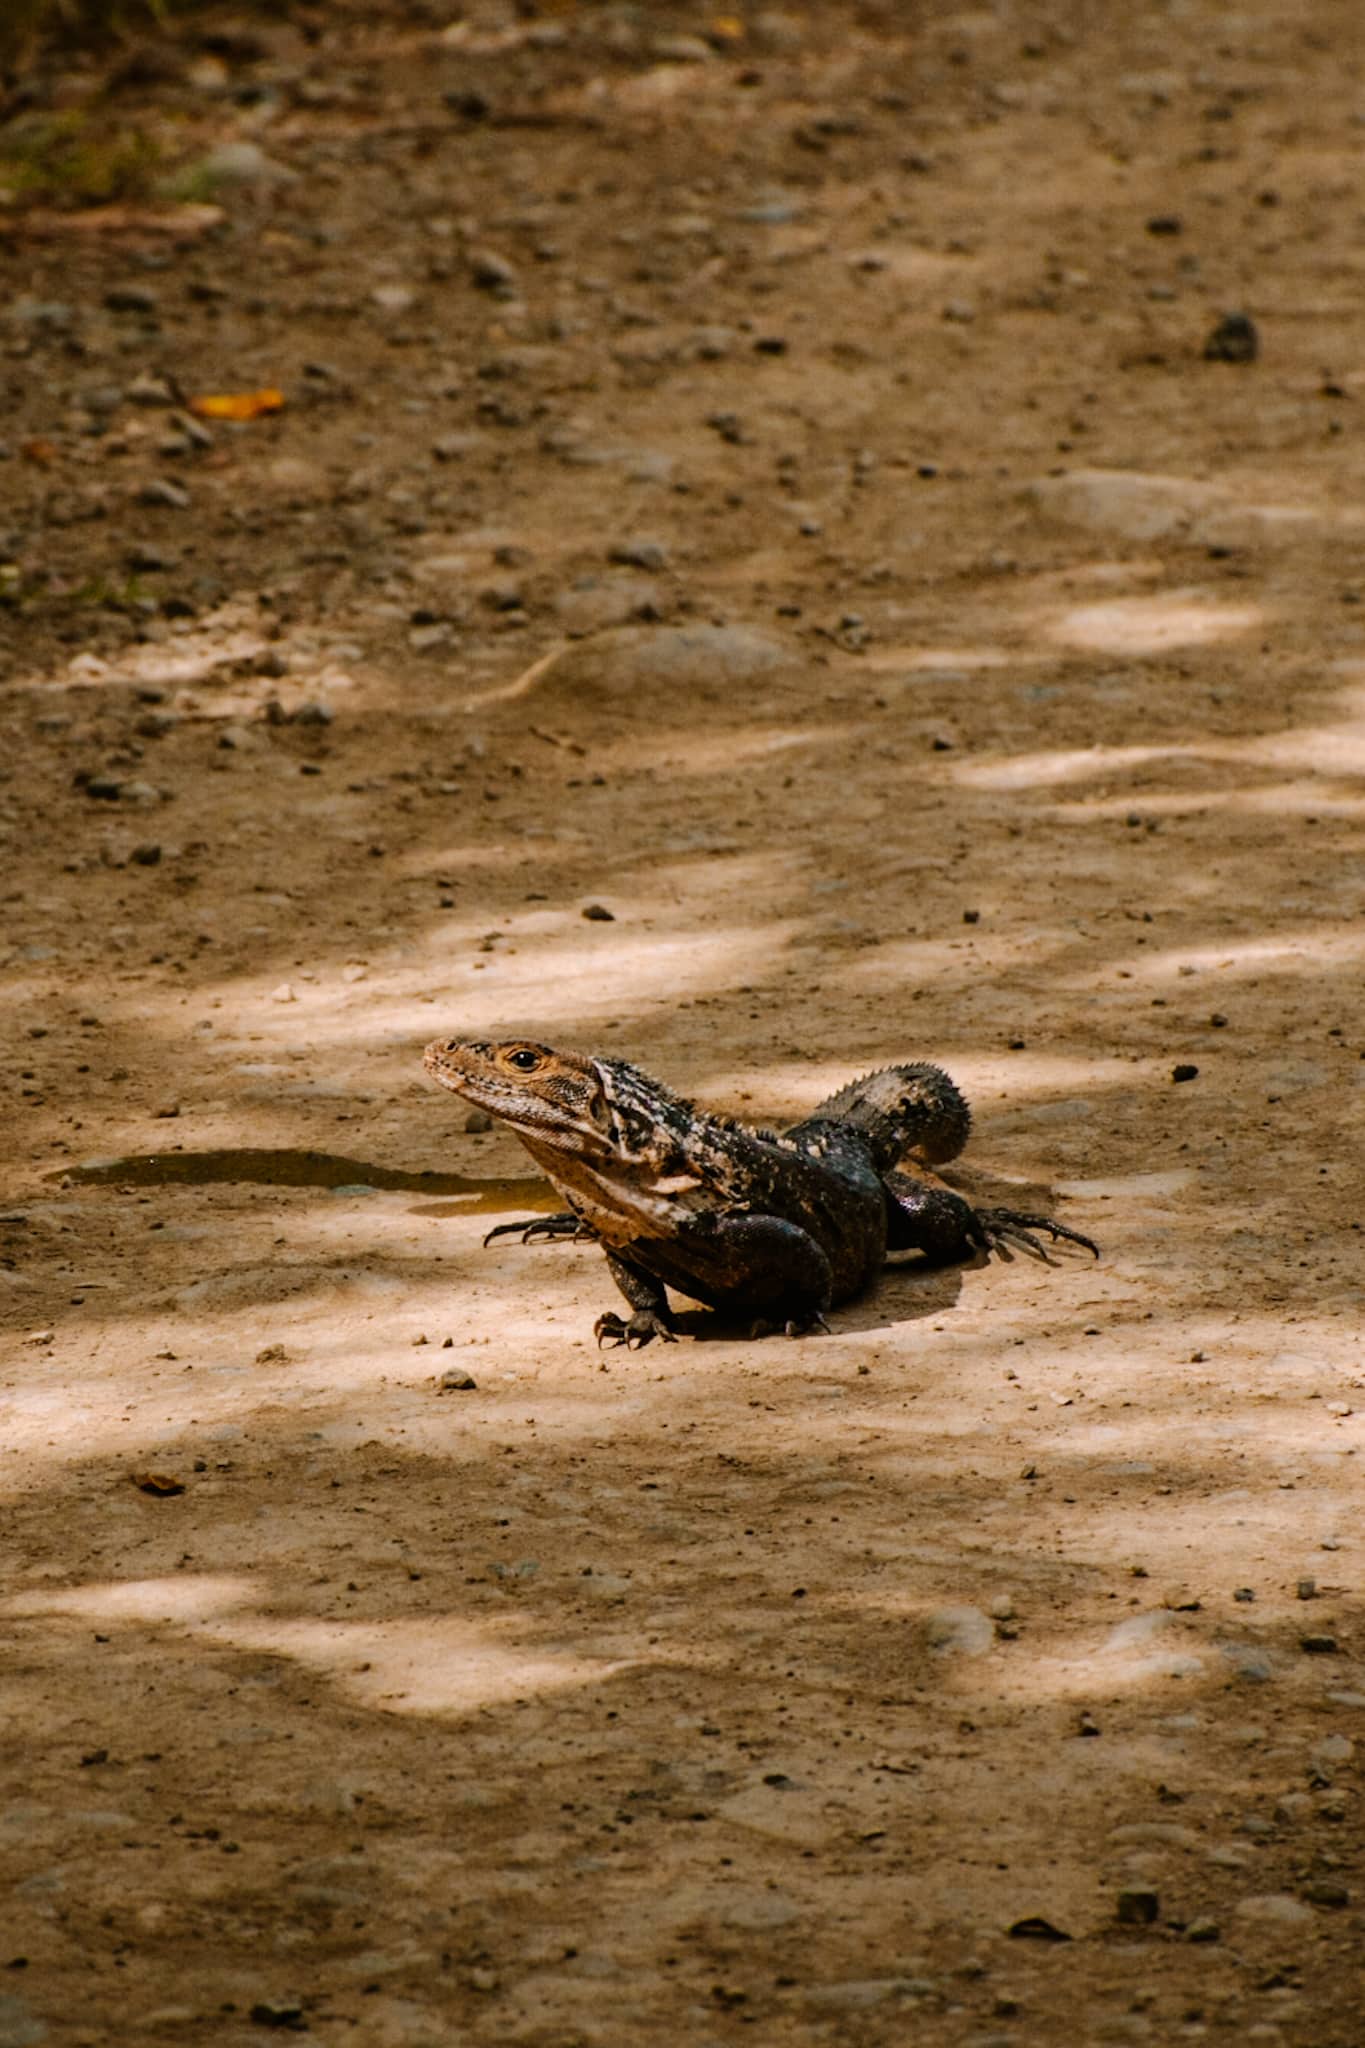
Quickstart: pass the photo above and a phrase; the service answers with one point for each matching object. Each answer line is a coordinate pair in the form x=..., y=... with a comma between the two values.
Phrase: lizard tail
x=914, y=1108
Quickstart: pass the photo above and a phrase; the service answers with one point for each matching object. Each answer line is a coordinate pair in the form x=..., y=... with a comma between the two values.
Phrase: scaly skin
x=774, y=1226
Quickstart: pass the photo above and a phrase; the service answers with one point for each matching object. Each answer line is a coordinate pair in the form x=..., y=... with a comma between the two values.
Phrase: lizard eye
x=527, y=1061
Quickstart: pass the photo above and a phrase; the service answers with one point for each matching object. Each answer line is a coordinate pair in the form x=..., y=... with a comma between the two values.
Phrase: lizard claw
x=527, y=1229
x=643, y=1326
x=1001, y=1228
x=793, y=1326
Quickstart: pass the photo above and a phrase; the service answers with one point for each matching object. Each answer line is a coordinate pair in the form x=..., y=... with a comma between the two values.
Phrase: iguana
x=775, y=1226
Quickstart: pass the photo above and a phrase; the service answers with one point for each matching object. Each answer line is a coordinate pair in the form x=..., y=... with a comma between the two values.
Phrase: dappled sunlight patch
x=1152, y=624
x=185, y=1599
x=592, y=971
x=1335, y=943
x=435, y=1665
x=936, y=664
x=1062, y=764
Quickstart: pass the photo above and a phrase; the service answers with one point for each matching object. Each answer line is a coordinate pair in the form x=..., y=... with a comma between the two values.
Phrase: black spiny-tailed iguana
x=776, y=1226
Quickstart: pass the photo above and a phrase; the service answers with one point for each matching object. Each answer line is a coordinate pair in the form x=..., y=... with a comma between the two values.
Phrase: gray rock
x=1253, y=1665
x=1131, y=505
x=240, y=163
x=960, y=1632
x=1275, y=1909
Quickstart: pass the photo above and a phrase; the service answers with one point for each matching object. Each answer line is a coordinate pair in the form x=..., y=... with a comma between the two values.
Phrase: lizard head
x=593, y=1110
x=554, y=1098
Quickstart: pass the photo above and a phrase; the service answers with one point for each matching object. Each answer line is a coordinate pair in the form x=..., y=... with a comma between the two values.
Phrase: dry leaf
x=159, y=1483
x=237, y=405
x=38, y=222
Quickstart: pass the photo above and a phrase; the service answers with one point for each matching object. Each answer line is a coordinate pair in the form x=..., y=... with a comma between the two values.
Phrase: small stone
x=491, y=272
x=1318, y=1645
x=1324, y=1892
x=455, y=1380
x=240, y=163
x=1137, y=1905
x=1234, y=340
x=1184, y=1072
x=284, y=993
x=144, y=556
x=1203, y=1930
x=289, y=2017
x=639, y=554
x=103, y=788
x=1165, y=224
x=147, y=389
x=393, y=298
x=597, y=913
x=312, y=713
x=159, y=490
x=130, y=298
x=478, y=1121
x=1306, y=1589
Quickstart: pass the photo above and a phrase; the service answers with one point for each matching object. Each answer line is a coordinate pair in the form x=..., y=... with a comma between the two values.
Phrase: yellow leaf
x=237, y=405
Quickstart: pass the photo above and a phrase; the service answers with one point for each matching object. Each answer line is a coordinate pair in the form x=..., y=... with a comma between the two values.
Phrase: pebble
x=393, y=298
x=147, y=389
x=491, y=272
x=240, y=163
x=1137, y=1905
x=455, y=1380
x=639, y=554
x=131, y=298
x=597, y=913
x=1234, y=340
x=145, y=556
x=159, y=490
x=478, y=1121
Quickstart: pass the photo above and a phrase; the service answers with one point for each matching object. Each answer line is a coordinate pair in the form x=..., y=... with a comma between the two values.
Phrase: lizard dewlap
x=776, y=1227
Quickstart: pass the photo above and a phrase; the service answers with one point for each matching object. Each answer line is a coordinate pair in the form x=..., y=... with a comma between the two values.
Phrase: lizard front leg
x=648, y=1298
x=527, y=1229
x=764, y=1266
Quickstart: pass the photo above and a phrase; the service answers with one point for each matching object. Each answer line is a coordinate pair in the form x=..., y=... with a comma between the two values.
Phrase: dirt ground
x=757, y=475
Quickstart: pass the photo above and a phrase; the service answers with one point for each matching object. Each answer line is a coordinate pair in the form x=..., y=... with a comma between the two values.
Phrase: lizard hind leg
x=1004, y=1227
x=924, y=1215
